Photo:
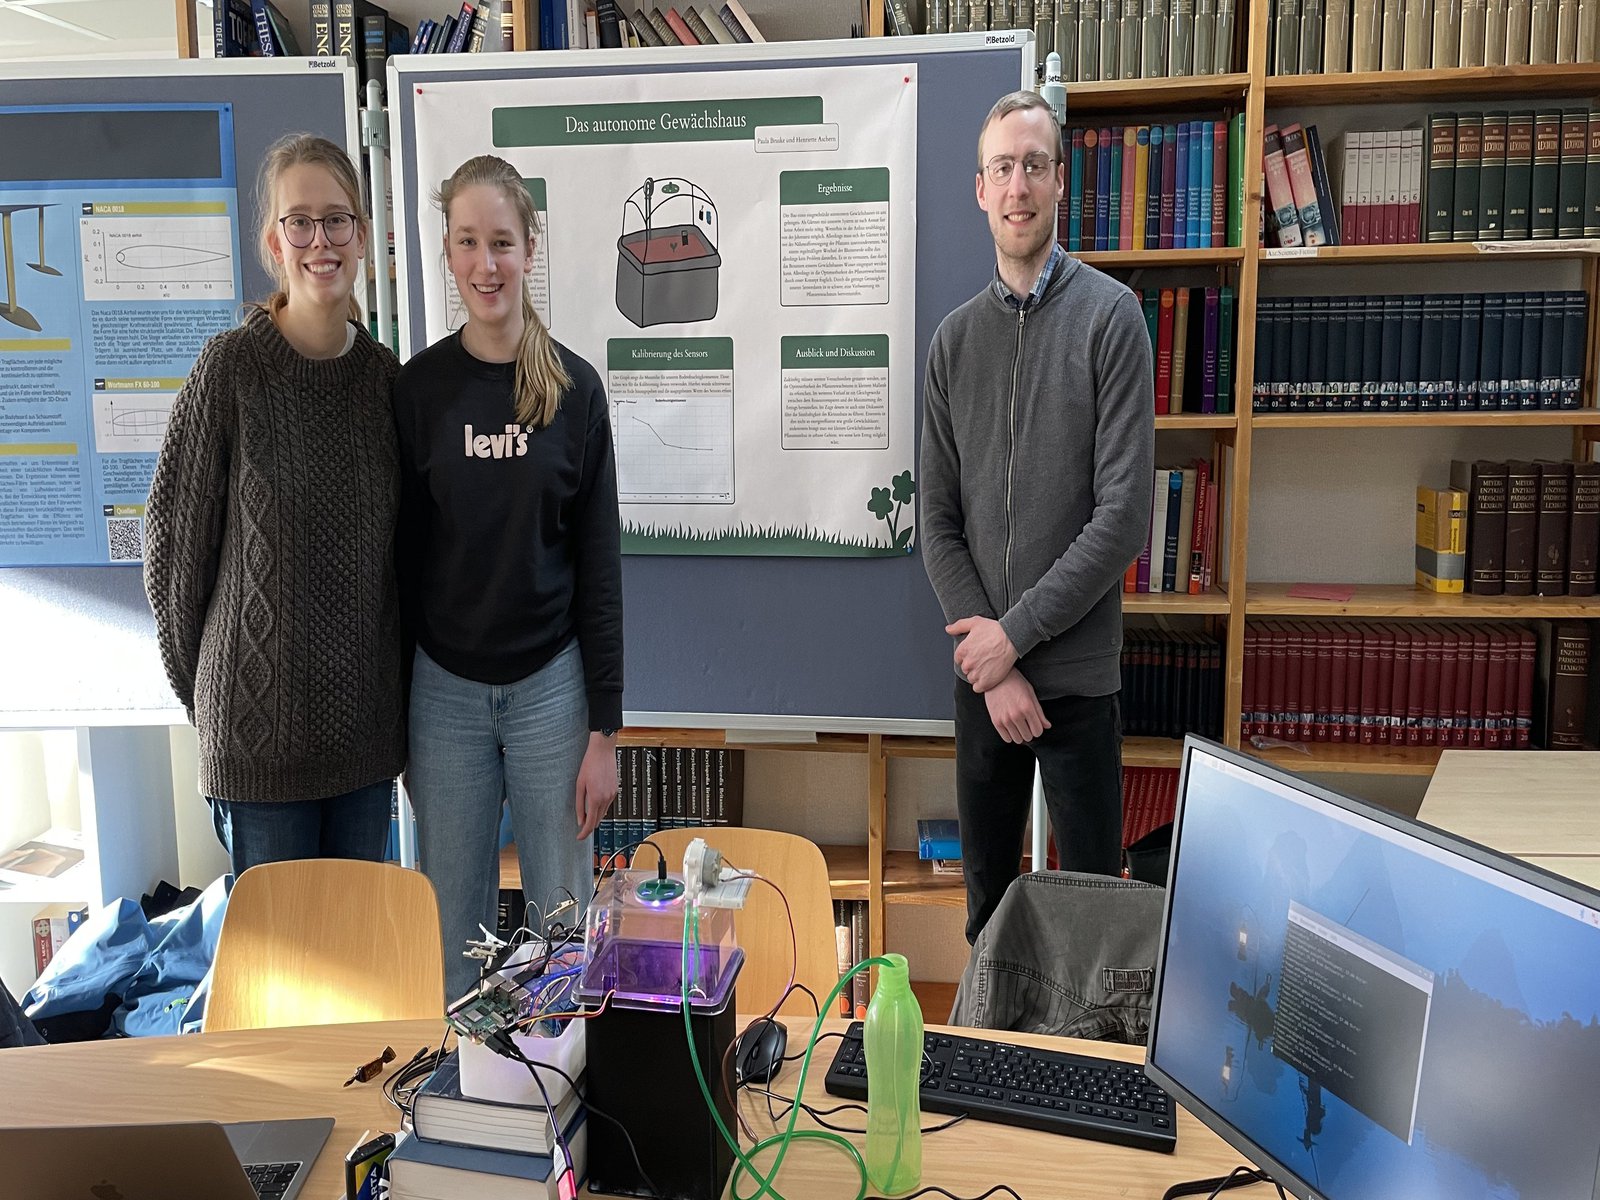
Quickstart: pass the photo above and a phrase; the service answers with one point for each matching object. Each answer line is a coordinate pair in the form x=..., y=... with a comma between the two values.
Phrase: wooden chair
x=796, y=866
x=327, y=941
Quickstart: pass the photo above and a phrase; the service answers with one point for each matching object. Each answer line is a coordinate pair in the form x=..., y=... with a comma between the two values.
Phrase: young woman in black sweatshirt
x=510, y=578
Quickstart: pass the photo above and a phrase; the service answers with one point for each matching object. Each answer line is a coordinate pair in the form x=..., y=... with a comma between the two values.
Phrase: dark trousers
x=354, y=825
x=1080, y=760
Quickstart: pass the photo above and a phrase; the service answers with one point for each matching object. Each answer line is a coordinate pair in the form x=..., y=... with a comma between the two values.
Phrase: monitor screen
x=1369, y=1009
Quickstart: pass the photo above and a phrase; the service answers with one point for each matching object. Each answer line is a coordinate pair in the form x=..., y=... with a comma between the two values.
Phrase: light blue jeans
x=473, y=745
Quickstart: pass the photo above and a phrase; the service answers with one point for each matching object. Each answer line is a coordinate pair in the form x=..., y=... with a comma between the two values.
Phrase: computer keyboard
x=270, y=1180
x=1075, y=1094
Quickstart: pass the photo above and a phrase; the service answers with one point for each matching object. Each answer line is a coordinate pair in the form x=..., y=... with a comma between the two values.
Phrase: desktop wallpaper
x=1369, y=1012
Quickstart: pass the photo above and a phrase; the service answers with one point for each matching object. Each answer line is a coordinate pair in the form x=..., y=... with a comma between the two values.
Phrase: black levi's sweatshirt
x=508, y=543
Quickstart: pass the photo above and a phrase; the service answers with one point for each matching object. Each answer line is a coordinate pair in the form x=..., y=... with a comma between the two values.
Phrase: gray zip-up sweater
x=1037, y=462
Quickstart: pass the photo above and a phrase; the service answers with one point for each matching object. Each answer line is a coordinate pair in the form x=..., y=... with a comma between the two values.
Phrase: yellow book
x=1441, y=539
x=1180, y=348
x=1141, y=180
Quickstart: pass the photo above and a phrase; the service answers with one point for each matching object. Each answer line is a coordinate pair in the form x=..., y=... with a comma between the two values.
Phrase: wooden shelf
x=1151, y=752
x=1327, y=758
x=847, y=871
x=1197, y=420
x=1278, y=256
x=1477, y=85
x=900, y=746
x=1569, y=418
x=1213, y=601
x=1404, y=600
x=908, y=879
x=1154, y=95
x=1129, y=259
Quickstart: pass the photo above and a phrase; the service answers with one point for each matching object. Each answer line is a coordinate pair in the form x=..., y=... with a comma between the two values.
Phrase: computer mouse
x=758, y=1052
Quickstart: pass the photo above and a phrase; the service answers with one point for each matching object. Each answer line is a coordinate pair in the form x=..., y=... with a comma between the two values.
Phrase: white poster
x=734, y=252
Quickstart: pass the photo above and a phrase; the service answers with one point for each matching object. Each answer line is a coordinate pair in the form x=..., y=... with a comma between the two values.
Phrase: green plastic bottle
x=893, y=1043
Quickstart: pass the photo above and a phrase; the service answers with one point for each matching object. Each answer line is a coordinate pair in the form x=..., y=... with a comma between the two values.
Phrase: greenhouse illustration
x=667, y=259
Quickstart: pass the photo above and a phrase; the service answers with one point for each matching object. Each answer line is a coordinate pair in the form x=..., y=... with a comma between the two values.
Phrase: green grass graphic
x=750, y=540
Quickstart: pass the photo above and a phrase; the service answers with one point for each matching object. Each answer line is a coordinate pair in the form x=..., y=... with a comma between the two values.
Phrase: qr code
x=126, y=536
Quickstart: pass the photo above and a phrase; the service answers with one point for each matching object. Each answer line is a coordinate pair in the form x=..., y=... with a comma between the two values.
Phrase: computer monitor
x=1368, y=1008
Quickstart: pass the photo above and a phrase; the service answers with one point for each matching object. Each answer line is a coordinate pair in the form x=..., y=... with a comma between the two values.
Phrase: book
x=52, y=926
x=423, y=1170
x=938, y=838
x=1280, y=195
x=1564, y=662
x=1522, y=519
x=233, y=28
x=1441, y=541
x=1555, y=504
x=947, y=866
x=736, y=10
x=442, y=1113
x=1485, y=485
x=1583, y=531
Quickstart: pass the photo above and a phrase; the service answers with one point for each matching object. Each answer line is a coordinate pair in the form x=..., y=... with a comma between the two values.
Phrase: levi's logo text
x=511, y=442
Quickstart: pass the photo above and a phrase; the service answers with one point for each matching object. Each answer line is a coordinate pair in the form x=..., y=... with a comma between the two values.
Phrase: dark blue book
x=1451, y=389
x=1574, y=316
x=1510, y=392
x=1550, y=330
x=421, y=1167
x=1410, y=351
x=1152, y=196
x=1491, y=336
x=1169, y=561
x=1102, y=194
x=1430, y=353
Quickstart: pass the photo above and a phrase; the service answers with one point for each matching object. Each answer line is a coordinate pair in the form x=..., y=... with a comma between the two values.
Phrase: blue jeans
x=353, y=825
x=473, y=746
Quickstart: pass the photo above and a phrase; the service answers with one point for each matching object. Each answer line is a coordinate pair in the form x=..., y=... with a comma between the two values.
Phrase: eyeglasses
x=301, y=230
x=1036, y=167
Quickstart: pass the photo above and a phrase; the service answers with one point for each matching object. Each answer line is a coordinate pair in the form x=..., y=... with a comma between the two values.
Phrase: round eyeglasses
x=300, y=230
x=1035, y=168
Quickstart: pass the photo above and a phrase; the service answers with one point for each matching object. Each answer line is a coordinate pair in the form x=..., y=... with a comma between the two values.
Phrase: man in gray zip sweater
x=1037, y=462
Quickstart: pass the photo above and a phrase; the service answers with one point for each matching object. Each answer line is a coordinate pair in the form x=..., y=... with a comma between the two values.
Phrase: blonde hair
x=295, y=150
x=540, y=378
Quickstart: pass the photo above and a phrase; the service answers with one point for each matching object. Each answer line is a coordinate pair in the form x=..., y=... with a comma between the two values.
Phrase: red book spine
x=1219, y=184
x=1373, y=684
x=1527, y=653
x=1478, y=692
x=1278, y=652
x=1416, y=686
x=1164, y=354
x=1251, y=682
x=1444, y=719
x=1338, y=671
x=1461, y=717
x=1494, y=699
x=1197, y=537
x=1432, y=683
x=1293, y=677
x=1396, y=643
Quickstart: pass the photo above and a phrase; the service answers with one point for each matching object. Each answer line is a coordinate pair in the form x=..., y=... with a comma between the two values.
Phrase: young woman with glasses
x=269, y=535
x=510, y=578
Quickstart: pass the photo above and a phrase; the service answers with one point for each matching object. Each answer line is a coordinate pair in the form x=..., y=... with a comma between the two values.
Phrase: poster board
x=750, y=639
x=78, y=640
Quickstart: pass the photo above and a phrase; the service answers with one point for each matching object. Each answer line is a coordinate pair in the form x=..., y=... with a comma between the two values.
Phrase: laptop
x=198, y=1160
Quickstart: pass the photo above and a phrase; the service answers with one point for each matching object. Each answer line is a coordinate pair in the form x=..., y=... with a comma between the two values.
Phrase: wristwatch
x=608, y=733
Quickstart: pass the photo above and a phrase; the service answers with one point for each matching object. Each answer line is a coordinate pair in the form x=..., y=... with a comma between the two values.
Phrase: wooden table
x=1539, y=805
x=262, y=1074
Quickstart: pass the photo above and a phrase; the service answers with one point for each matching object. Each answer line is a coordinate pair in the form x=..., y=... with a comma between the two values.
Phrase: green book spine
x=1469, y=161
x=1591, y=178
x=1441, y=175
x=1225, y=349
x=1492, y=177
x=1236, y=181
x=1514, y=219
x=1572, y=172
x=1546, y=174
x=1151, y=300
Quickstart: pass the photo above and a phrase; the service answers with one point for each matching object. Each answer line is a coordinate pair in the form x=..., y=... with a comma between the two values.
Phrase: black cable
x=817, y=1114
x=502, y=1044
x=1217, y=1184
x=997, y=1189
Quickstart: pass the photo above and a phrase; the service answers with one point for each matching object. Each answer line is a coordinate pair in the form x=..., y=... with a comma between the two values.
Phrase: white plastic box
x=486, y=1075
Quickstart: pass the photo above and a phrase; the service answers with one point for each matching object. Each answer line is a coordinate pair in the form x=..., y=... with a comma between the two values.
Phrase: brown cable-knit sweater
x=269, y=565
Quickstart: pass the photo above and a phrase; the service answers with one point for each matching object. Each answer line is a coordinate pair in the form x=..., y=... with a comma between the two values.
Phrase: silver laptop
x=200, y=1160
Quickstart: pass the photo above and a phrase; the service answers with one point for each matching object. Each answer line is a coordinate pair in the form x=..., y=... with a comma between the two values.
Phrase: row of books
x=671, y=787
x=1193, y=352
x=1153, y=187
x=1424, y=683
x=850, y=929
x=456, y=32
x=1380, y=186
x=1149, y=800
x=1171, y=684
x=608, y=24
x=461, y=1145
x=1308, y=37
x=1513, y=176
x=52, y=926
x=1506, y=351
x=1297, y=200
x=1128, y=39
x=1532, y=528
x=1180, y=553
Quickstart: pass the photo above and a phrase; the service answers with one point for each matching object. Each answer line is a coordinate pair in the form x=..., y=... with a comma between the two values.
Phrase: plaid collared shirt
x=1052, y=264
